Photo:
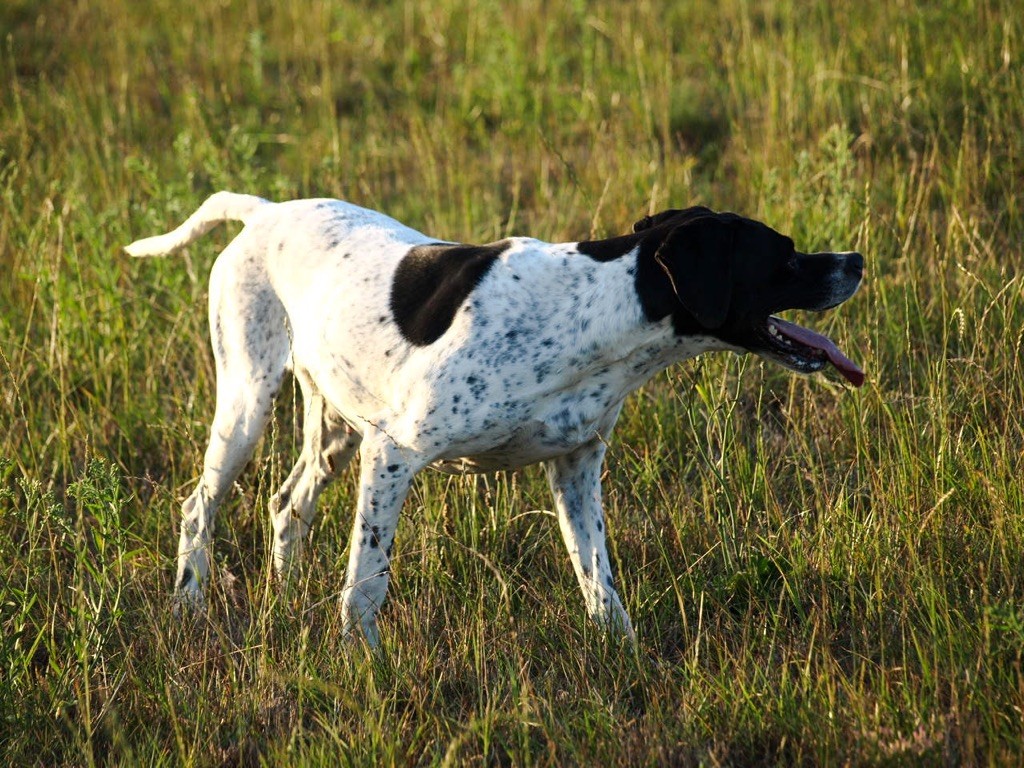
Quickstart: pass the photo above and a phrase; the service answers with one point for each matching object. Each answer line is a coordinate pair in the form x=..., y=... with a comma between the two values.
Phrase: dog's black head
x=725, y=275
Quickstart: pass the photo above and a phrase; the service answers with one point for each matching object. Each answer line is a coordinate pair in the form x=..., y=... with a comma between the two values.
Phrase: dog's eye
x=792, y=265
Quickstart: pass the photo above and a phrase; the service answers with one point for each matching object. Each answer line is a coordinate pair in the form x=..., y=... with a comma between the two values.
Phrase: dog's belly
x=529, y=443
x=539, y=436
x=474, y=465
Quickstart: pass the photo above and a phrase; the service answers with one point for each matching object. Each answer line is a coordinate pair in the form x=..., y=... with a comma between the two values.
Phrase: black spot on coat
x=432, y=282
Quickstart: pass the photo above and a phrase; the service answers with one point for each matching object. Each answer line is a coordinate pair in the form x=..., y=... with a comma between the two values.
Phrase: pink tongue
x=843, y=364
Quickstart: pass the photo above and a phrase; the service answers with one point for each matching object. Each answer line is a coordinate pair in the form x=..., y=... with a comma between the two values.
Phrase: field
x=818, y=575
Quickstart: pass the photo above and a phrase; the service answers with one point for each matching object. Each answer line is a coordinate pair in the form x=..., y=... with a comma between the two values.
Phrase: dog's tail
x=219, y=207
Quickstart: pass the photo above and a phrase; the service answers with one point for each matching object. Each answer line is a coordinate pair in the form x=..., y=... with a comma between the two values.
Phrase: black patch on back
x=432, y=282
x=649, y=229
x=673, y=216
x=610, y=249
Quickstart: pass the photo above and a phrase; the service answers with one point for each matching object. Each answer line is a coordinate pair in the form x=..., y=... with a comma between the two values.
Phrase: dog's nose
x=854, y=265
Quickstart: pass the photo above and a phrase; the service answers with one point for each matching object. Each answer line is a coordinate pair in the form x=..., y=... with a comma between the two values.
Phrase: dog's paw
x=362, y=632
x=188, y=593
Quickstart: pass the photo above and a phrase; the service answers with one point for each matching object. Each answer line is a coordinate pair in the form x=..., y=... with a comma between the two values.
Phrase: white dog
x=469, y=358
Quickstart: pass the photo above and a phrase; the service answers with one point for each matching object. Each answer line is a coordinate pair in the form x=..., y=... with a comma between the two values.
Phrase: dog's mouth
x=806, y=351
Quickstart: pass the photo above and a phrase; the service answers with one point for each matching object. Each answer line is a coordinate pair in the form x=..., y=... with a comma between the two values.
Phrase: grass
x=817, y=575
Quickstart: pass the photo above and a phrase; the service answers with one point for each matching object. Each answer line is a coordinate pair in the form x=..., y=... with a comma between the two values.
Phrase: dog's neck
x=640, y=332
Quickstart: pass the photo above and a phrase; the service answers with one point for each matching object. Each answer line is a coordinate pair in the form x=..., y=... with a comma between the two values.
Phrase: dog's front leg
x=385, y=476
x=575, y=481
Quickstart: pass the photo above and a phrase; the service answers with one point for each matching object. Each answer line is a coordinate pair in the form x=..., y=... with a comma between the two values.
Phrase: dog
x=416, y=352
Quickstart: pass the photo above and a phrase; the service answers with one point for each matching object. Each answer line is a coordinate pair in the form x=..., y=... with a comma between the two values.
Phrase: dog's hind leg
x=575, y=481
x=251, y=347
x=328, y=444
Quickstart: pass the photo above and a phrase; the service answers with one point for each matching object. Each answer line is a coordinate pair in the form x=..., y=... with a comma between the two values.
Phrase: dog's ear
x=697, y=258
